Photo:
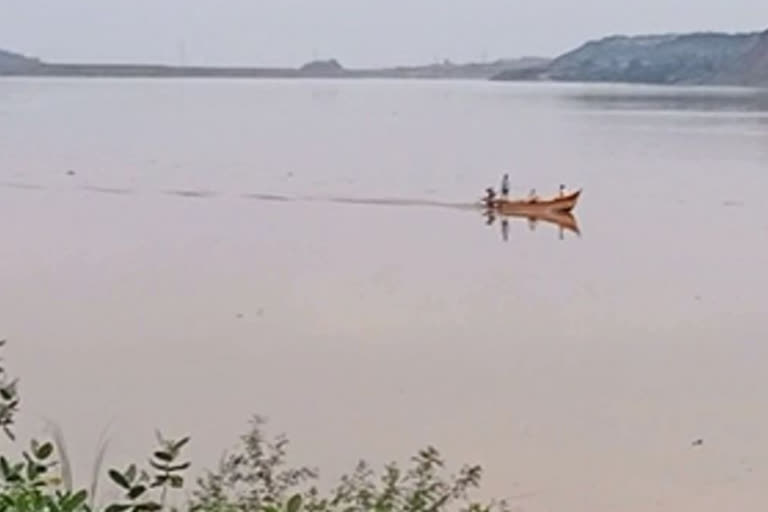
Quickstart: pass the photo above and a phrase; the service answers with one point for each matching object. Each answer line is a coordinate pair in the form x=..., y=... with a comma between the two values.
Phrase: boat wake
x=262, y=196
x=401, y=202
x=363, y=201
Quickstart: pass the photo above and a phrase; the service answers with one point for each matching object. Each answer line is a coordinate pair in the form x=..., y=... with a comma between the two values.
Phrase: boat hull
x=562, y=204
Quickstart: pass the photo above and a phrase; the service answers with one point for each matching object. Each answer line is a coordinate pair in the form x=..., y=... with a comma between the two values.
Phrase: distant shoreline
x=20, y=66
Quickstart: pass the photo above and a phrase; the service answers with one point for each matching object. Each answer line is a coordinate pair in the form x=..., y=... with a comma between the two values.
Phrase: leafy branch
x=9, y=400
x=168, y=474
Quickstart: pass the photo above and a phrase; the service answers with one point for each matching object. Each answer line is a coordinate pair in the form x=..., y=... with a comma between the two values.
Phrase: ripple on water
x=109, y=190
x=191, y=193
x=23, y=186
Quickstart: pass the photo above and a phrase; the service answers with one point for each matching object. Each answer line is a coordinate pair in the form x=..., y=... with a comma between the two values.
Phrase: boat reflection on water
x=565, y=221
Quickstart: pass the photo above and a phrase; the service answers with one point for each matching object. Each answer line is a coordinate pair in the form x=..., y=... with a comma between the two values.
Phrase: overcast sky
x=357, y=32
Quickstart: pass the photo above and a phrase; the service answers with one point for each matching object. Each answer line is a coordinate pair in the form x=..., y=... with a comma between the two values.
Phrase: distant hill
x=15, y=63
x=476, y=70
x=708, y=58
x=329, y=68
x=751, y=69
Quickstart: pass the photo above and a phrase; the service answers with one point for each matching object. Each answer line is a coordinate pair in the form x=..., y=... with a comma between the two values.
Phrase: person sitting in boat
x=490, y=196
x=532, y=196
x=505, y=186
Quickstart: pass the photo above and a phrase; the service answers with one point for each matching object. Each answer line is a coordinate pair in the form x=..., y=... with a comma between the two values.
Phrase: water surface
x=183, y=254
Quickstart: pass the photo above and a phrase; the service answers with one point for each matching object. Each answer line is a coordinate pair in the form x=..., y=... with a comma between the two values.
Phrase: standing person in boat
x=562, y=190
x=532, y=197
x=505, y=186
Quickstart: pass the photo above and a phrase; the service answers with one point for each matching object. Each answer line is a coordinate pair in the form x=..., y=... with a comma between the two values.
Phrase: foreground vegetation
x=252, y=478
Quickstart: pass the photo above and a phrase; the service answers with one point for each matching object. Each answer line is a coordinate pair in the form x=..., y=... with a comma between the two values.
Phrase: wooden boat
x=535, y=207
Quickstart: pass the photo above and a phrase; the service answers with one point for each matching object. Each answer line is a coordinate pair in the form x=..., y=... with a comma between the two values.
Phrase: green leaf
x=117, y=507
x=119, y=479
x=32, y=472
x=136, y=492
x=159, y=480
x=180, y=444
x=130, y=473
x=164, y=456
x=9, y=432
x=149, y=506
x=44, y=451
x=5, y=468
x=177, y=482
x=77, y=500
x=178, y=467
x=159, y=467
x=7, y=392
x=294, y=504
x=270, y=508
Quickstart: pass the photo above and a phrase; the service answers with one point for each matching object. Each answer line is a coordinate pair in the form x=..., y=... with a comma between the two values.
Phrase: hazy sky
x=357, y=32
